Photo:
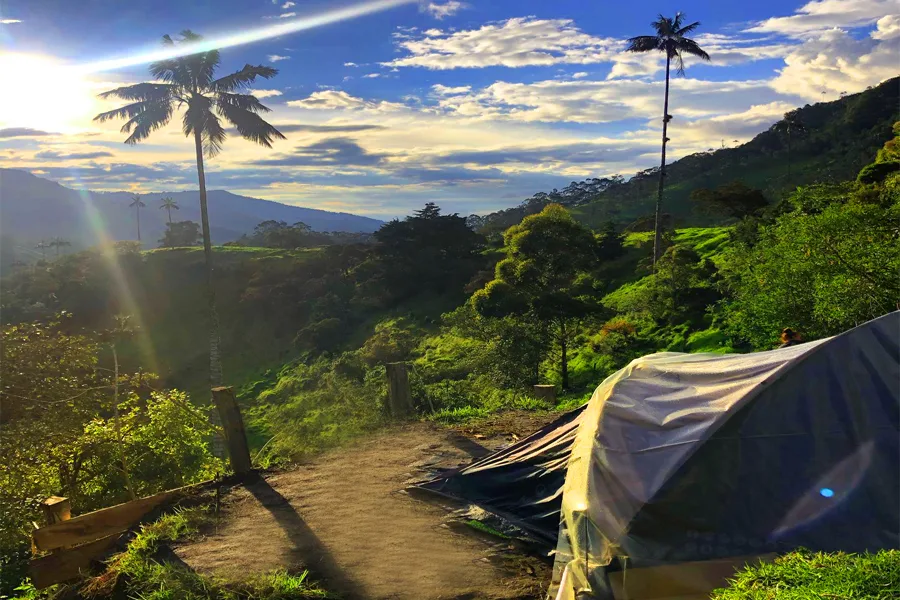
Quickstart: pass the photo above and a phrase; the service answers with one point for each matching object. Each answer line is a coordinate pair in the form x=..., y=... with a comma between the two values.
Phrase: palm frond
x=687, y=28
x=676, y=22
x=125, y=112
x=249, y=124
x=201, y=67
x=243, y=101
x=691, y=47
x=155, y=116
x=140, y=91
x=213, y=135
x=643, y=43
x=679, y=62
x=242, y=79
x=662, y=25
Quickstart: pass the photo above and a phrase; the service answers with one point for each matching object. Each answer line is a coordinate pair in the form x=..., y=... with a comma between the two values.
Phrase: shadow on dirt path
x=344, y=517
x=309, y=549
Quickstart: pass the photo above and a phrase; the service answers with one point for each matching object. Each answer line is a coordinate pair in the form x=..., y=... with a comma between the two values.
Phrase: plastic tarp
x=685, y=457
x=706, y=457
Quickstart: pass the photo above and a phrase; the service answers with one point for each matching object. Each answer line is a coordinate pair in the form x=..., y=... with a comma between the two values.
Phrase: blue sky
x=475, y=105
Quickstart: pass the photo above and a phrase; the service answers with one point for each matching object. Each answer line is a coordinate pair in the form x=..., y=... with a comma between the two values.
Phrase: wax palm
x=186, y=82
x=791, y=124
x=137, y=204
x=670, y=38
x=42, y=246
x=169, y=205
x=58, y=243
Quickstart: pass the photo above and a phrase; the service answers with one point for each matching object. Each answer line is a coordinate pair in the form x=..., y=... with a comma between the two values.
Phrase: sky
x=389, y=104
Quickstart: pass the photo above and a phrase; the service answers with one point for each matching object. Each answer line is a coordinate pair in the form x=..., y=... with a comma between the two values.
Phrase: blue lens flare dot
x=827, y=492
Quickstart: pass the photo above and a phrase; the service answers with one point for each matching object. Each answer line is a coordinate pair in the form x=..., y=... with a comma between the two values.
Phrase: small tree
x=545, y=276
x=733, y=199
x=181, y=233
x=791, y=125
x=58, y=243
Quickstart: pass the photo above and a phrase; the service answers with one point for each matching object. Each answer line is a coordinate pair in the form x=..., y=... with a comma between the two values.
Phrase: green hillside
x=840, y=138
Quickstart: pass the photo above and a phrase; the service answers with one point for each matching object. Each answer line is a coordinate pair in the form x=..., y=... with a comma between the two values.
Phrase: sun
x=46, y=94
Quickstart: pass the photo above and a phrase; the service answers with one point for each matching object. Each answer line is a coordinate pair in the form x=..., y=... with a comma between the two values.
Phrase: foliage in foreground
x=140, y=572
x=804, y=575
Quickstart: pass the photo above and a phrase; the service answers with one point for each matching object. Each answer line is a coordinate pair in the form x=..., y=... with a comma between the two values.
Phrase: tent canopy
x=703, y=457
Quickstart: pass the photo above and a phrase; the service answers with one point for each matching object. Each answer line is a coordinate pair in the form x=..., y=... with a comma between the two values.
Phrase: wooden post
x=399, y=397
x=233, y=425
x=56, y=509
x=546, y=392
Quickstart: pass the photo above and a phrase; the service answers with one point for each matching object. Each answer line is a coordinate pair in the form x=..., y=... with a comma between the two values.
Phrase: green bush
x=877, y=172
x=804, y=575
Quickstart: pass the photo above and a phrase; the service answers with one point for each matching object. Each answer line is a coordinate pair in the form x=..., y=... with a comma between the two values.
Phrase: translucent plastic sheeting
x=644, y=422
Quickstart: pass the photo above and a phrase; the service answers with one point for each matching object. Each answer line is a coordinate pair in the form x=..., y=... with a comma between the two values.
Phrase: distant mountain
x=33, y=208
x=841, y=137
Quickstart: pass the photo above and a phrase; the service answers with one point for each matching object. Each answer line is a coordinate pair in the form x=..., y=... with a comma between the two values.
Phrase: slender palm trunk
x=657, y=231
x=169, y=212
x=215, y=362
x=57, y=250
x=138, y=211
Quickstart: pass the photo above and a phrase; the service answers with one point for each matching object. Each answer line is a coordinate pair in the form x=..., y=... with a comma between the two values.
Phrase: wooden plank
x=684, y=581
x=101, y=523
x=399, y=397
x=233, y=425
x=64, y=565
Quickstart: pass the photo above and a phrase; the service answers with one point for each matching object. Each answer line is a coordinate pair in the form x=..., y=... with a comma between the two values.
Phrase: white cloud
x=444, y=90
x=835, y=62
x=265, y=93
x=287, y=15
x=589, y=101
x=341, y=100
x=276, y=57
x=9, y=21
x=350, y=64
x=821, y=15
x=579, y=75
x=371, y=75
x=440, y=11
x=517, y=42
x=288, y=4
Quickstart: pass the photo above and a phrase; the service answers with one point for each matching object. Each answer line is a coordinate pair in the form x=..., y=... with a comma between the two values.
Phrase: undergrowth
x=804, y=575
x=141, y=572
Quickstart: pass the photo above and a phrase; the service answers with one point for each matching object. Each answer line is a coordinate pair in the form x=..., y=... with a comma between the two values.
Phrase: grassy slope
x=842, y=137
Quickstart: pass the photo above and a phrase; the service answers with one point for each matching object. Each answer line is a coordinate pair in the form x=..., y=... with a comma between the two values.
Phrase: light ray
x=246, y=37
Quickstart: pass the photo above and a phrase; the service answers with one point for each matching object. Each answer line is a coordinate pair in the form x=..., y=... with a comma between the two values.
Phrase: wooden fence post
x=546, y=392
x=399, y=397
x=233, y=425
x=56, y=509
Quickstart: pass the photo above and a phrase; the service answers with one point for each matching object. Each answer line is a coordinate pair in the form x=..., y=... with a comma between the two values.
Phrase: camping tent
x=683, y=466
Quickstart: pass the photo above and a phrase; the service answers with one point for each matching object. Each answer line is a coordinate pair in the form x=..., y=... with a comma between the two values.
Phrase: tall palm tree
x=670, y=38
x=58, y=243
x=789, y=125
x=169, y=205
x=137, y=204
x=187, y=82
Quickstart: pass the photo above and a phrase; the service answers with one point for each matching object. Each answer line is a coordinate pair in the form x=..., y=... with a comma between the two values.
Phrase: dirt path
x=343, y=517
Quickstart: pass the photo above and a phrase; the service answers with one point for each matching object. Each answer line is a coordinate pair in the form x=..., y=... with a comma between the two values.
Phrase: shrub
x=877, y=172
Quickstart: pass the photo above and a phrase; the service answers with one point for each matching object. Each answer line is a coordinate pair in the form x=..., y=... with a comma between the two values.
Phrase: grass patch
x=479, y=526
x=455, y=416
x=804, y=575
x=141, y=572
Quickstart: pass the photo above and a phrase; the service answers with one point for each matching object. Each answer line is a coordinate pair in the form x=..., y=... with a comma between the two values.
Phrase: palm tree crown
x=137, y=203
x=168, y=204
x=670, y=39
x=187, y=82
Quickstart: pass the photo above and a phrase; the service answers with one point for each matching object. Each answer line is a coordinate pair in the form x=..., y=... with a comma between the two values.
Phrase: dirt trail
x=343, y=517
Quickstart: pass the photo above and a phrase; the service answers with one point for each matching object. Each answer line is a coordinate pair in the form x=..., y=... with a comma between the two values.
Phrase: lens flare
x=248, y=36
x=128, y=305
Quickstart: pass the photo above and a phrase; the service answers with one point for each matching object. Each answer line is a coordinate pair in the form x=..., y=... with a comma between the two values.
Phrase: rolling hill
x=33, y=208
x=840, y=138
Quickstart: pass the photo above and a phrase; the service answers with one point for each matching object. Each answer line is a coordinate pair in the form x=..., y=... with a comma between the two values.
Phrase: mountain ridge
x=85, y=217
